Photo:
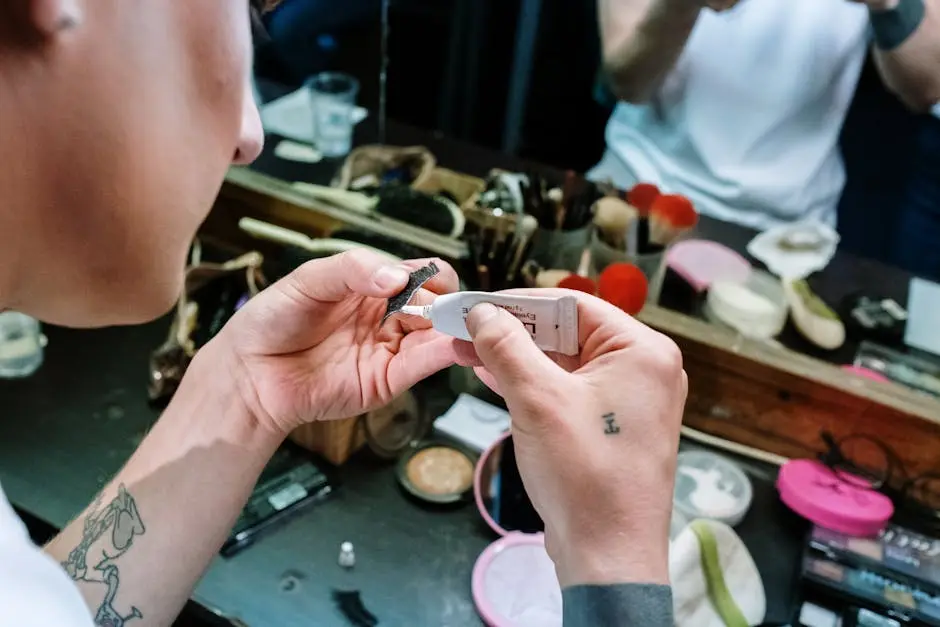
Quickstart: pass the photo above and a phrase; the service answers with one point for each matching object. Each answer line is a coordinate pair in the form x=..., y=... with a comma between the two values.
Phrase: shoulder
x=34, y=590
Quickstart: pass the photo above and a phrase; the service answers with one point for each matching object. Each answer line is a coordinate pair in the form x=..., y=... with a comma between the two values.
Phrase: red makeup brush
x=625, y=286
x=670, y=216
x=580, y=280
x=578, y=283
x=642, y=196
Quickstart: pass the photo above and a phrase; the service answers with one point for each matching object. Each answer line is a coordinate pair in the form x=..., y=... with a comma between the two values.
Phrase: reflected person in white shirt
x=739, y=105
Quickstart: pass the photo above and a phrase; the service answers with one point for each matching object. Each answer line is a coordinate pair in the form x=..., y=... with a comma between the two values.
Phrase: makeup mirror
x=500, y=495
x=514, y=582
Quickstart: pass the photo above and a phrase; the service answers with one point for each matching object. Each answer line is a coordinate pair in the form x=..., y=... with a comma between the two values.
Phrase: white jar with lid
x=711, y=486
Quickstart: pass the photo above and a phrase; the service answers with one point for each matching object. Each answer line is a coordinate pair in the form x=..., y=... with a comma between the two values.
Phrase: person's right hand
x=596, y=436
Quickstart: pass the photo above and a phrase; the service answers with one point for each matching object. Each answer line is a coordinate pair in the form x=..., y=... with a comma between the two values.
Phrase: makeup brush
x=642, y=196
x=625, y=286
x=580, y=281
x=551, y=278
x=613, y=217
x=527, y=227
x=670, y=216
x=440, y=215
x=320, y=247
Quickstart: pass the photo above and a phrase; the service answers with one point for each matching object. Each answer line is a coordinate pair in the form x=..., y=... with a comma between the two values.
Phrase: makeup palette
x=514, y=582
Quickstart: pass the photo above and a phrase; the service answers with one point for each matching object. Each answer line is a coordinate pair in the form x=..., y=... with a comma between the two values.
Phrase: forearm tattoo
x=108, y=534
x=610, y=424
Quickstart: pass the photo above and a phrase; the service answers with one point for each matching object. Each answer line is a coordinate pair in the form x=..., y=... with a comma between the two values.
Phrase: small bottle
x=347, y=556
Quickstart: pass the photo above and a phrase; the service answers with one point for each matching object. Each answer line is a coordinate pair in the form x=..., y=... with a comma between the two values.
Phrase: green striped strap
x=718, y=592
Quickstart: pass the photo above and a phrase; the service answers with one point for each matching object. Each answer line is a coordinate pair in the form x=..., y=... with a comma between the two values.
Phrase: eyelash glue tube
x=552, y=321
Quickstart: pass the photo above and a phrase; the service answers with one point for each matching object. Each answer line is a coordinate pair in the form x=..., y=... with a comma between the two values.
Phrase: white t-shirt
x=34, y=589
x=747, y=123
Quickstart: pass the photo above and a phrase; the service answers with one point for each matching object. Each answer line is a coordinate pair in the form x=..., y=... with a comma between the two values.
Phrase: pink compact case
x=514, y=582
x=701, y=262
x=833, y=499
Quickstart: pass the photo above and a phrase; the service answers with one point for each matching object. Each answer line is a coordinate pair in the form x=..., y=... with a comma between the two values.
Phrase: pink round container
x=514, y=582
x=701, y=262
x=843, y=503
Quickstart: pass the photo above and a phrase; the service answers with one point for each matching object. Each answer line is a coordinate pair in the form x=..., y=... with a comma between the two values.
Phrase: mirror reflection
x=503, y=496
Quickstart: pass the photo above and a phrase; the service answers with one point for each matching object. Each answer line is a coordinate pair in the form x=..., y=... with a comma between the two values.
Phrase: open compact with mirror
x=514, y=582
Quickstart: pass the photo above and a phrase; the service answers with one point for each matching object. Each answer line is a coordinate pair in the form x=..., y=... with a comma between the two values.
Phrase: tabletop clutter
x=522, y=229
x=873, y=543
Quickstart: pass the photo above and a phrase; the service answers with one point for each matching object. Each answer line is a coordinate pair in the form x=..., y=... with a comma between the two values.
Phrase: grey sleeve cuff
x=618, y=605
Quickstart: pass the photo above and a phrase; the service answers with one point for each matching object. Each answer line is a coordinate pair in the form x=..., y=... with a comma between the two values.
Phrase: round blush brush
x=613, y=217
x=579, y=284
x=623, y=285
x=670, y=216
x=580, y=281
x=642, y=196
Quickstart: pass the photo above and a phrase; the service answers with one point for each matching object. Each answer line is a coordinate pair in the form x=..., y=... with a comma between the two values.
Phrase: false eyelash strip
x=415, y=280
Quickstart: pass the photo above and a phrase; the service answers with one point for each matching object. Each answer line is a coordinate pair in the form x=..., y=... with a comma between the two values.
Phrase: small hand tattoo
x=610, y=425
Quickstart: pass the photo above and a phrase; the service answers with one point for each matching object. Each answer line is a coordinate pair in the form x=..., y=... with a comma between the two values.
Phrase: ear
x=51, y=17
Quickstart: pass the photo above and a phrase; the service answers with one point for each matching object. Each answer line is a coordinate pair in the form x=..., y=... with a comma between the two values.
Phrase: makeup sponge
x=714, y=579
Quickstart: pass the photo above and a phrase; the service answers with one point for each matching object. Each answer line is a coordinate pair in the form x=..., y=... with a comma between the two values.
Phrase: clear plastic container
x=711, y=486
x=652, y=265
x=21, y=345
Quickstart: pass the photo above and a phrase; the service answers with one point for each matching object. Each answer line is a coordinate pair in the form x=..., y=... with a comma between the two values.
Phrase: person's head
x=118, y=121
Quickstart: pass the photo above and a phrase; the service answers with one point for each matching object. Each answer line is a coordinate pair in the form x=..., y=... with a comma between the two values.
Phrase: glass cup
x=560, y=250
x=21, y=345
x=332, y=98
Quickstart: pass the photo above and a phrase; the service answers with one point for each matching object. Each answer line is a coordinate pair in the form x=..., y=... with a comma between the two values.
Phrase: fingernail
x=480, y=315
x=388, y=277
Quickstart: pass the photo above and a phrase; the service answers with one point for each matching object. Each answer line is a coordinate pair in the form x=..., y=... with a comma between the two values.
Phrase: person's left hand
x=311, y=346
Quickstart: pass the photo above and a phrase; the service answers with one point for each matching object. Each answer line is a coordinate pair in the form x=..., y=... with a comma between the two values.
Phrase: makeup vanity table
x=67, y=429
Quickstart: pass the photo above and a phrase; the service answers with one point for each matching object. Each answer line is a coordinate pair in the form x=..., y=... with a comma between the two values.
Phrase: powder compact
x=514, y=582
x=431, y=470
x=437, y=472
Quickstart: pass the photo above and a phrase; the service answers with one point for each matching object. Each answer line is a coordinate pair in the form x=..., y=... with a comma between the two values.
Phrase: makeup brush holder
x=560, y=250
x=652, y=265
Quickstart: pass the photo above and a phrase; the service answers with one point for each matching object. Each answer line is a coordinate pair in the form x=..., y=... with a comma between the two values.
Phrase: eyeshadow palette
x=905, y=553
x=897, y=571
x=862, y=586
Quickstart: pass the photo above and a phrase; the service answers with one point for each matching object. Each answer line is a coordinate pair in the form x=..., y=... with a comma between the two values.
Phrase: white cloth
x=747, y=123
x=34, y=590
